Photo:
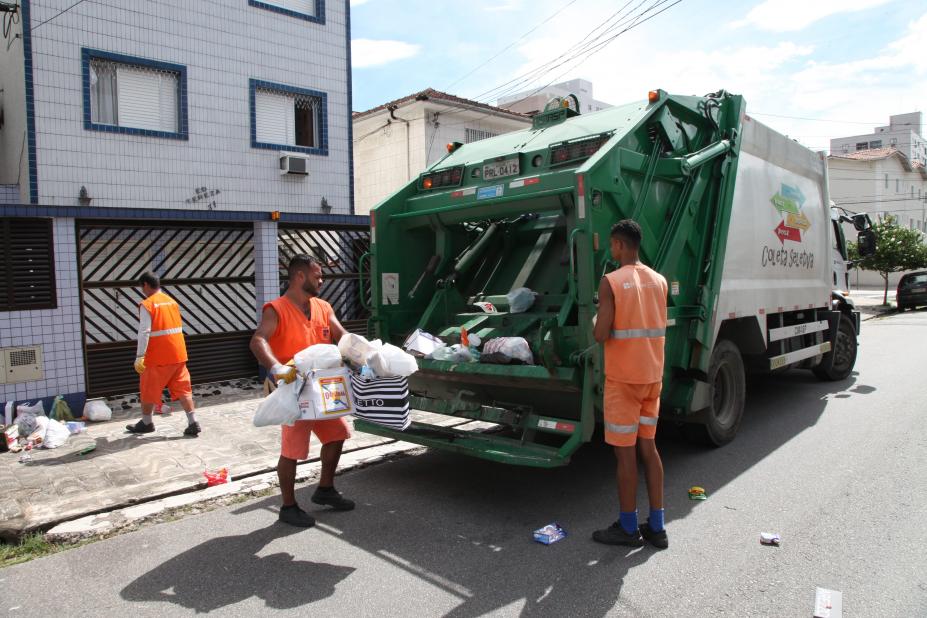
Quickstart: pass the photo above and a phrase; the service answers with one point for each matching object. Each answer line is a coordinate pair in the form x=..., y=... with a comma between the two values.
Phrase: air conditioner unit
x=23, y=364
x=294, y=164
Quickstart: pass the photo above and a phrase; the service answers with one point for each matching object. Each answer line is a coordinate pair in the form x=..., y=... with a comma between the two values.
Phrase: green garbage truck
x=736, y=217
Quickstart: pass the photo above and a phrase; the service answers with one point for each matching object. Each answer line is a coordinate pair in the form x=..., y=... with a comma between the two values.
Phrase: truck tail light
x=450, y=177
x=567, y=152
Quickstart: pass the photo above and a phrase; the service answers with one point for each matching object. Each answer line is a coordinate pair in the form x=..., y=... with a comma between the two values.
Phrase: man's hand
x=140, y=365
x=287, y=373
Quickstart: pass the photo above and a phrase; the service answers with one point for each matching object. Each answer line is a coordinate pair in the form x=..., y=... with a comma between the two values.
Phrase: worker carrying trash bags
x=294, y=341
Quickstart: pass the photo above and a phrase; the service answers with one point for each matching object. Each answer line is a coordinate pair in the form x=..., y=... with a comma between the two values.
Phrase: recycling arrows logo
x=789, y=202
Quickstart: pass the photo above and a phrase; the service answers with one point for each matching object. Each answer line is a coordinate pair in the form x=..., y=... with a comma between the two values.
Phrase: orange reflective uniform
x=166, y=345
x=634, y=355
x=294, y=333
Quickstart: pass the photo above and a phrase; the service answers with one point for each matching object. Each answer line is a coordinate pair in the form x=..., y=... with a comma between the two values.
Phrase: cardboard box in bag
x=326, y=394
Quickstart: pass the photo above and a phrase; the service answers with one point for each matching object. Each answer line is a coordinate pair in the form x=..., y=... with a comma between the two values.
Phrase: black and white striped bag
x=384, y=401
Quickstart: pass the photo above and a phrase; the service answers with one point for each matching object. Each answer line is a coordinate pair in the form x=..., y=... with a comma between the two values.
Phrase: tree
x=897, y=249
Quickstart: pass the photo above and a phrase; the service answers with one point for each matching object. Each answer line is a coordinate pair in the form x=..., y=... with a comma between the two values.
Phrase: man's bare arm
x=606, y=315
x=260, y=345
x=337, y=329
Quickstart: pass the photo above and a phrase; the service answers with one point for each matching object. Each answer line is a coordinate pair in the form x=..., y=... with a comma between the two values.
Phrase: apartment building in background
x=205, y=140
x=904, y=133
x=533, y=101
x=396, y=141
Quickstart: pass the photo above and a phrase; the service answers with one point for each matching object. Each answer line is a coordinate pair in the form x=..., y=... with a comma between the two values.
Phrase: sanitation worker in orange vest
x=631, y=322
x=161, y=356
x=291, y=323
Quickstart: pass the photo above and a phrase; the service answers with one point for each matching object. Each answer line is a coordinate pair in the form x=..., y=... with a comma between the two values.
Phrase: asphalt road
x=836, y=469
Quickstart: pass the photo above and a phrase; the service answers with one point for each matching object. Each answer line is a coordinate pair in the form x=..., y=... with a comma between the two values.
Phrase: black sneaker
x=329, y=496
x=657, y=539
x=192, y=430
x=140, y=427
x=616, y=535
x=295, y=516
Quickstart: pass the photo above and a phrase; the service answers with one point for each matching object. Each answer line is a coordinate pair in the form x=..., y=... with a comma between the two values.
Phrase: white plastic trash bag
x=513, y=347
x=327, y=394
x=96, y=410
x=520, y=299
x=391, y=362
x=56, y=434
x=281, y=406
x=318, y=356
x=357, y=349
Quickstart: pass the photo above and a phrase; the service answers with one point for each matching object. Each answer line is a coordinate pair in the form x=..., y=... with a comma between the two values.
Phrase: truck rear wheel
x=728, y=385
x=839, y=362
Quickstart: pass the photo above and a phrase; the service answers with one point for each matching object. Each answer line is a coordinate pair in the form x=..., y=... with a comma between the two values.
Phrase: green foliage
x=897, y=249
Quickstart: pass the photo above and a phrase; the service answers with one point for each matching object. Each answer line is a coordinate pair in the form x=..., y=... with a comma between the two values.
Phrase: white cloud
x=794, y=15
x=372, y=53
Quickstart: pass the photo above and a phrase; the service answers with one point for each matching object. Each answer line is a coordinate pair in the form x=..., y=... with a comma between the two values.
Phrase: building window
x=875, y=144
x=310, y=10
x=288, y=118
x=845, y=148
x=862, y=145
x=27, y=279
x=475, y=135
x=124, y=94
x=886, y=181
x=893, y=141
x=897, y=185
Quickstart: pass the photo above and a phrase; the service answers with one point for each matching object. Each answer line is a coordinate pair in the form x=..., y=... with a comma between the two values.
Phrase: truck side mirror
x=866, y=243
x=861, y=222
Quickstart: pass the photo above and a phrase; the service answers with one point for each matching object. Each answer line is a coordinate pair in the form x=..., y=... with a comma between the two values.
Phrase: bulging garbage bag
x=513, y=347
x=391, y=362
x=56, y=434
x=97, y=410
x=319, y=356
x=281, y=406
x=356, y=349
x=520, y=299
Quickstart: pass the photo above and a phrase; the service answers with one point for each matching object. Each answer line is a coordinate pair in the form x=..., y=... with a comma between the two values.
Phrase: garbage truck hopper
x=534, y=209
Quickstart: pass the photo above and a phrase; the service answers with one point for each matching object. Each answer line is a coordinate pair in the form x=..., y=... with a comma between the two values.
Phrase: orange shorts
x=631, y=410
x=294, y=440
x=175, y=377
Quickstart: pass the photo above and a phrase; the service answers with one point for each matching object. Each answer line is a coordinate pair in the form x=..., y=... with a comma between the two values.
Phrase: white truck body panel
x=778, y=253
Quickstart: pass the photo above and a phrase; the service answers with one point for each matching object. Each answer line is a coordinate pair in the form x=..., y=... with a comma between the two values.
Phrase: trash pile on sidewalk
x=30, y=428
x=367, y=379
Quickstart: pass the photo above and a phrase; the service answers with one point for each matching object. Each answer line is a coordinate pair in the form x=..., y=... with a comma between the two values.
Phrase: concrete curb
x=105, y=524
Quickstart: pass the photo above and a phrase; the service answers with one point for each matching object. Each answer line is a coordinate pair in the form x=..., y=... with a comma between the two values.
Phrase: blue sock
x=628, y=521
x=656, y=520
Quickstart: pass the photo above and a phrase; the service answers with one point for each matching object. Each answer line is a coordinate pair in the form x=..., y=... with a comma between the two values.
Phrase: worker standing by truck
x=289, y=324
x=631, y=322
x=161, y=356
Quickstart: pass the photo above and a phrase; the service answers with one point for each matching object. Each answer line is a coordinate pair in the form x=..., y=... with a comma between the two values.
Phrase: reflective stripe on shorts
x=620, y=428
x=168, y=331
x=649, y=420
x=639, y=333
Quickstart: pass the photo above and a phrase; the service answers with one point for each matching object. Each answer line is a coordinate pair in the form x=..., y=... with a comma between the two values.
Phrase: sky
x=811, y=69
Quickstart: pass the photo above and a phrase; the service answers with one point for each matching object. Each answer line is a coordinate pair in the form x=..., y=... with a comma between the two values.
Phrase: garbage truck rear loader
x=735, y=216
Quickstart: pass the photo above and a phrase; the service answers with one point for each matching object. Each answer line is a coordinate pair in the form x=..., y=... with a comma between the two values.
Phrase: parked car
x=912, y=291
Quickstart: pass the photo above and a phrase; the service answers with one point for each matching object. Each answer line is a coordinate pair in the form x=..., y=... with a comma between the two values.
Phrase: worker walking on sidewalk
x=631, y=322
x=161, y=356
x=289, y=324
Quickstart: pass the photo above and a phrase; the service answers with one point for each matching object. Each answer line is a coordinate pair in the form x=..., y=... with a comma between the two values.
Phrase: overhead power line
x=57, y=15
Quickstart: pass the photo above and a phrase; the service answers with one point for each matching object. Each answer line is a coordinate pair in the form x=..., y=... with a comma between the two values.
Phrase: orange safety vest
x=294, y=332
x=634, y=351
x=166, y=345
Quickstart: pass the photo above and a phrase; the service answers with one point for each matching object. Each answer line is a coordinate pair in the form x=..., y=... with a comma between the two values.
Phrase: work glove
x=140, y=365
x=287, y=373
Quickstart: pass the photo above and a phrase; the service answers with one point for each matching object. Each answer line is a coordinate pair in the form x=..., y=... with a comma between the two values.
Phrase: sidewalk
x=124, y=469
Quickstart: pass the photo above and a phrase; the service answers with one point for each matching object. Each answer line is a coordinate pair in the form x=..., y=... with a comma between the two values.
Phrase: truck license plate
x=501, y=169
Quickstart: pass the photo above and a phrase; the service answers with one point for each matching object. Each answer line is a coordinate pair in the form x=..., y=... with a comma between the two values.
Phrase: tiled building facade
x=129, y=111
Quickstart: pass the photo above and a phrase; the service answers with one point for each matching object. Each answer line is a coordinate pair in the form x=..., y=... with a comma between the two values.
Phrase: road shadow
x=227, y=570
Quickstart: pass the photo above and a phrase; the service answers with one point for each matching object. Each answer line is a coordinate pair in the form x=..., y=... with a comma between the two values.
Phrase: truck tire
x=728, y=383
x=838, y=363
